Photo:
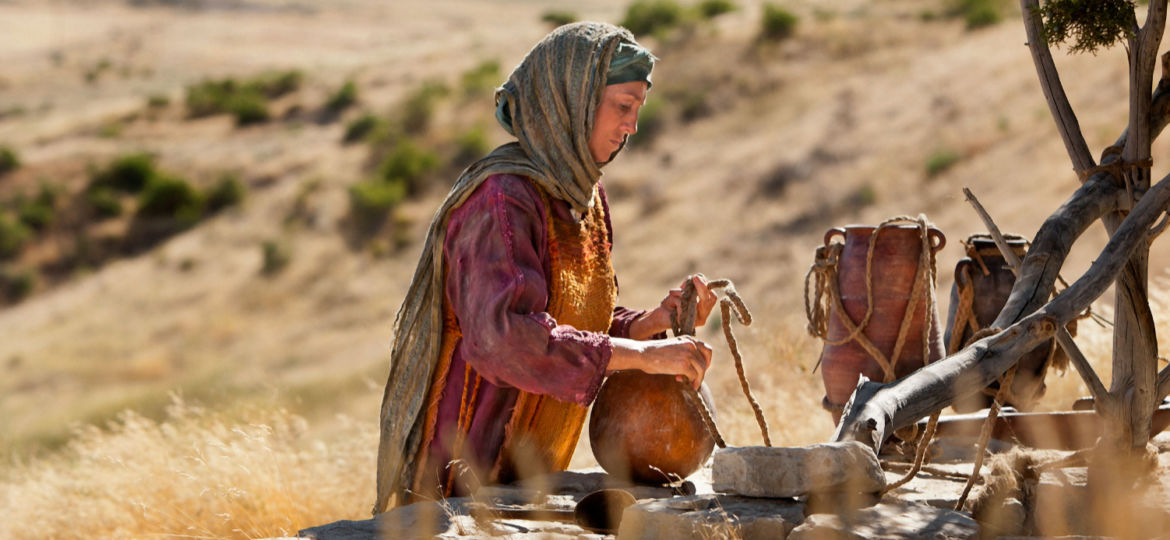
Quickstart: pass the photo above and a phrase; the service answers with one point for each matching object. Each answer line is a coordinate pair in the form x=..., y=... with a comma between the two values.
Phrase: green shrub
x=1090, y=24
x=228, y=191
x=693, y=104
x=777, y=23
x=9, y=160
x=35, y=215
x=408, y=162
x=470, y=146
x=16, y=285
x=129, y=173
x=13, y=236
x=481, y=78
x=248, y=108
x=370, y=201
x=940, y=160
x=344, y=98
x=276, y=84
x=980, y=13
x=104, y=202
x=650, y=16
x=172, y=198
x=709, y=9
x=210, y=97
x=865, y=195
x=419, y=107
x=276, y=256
x=651, y=120
x=158, y=101
x=361, y=127
x=558, y=18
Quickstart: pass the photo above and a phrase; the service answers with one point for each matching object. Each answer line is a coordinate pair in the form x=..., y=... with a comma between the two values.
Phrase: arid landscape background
x=209, y=211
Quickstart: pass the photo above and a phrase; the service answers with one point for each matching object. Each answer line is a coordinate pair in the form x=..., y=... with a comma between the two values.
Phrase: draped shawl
x=552, y=96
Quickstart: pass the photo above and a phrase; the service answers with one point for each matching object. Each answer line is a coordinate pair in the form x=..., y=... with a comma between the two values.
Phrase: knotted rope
x=822, y=280
x=684, y=324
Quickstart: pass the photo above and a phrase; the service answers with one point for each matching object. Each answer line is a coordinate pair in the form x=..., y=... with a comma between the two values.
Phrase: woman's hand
x=658, y=319
x=685, y=357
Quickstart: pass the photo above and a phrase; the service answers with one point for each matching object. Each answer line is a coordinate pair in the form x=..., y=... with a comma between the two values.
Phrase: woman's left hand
x=658, y=319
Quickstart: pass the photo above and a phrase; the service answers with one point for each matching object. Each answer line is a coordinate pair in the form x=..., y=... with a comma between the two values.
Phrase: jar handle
x=829, y=234
x=938, y=239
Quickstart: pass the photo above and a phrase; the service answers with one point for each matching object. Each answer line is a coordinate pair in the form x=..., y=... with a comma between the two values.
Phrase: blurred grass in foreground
x=196, y=474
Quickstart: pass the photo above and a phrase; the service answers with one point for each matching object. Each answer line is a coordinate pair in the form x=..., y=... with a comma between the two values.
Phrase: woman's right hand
x=685, y=357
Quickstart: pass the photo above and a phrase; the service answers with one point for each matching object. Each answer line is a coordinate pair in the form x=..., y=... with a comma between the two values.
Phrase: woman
x=510, y=325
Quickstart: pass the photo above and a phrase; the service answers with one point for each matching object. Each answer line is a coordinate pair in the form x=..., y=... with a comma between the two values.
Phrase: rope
x=985, y=433
x=684, y=324
x=1119, y=168
x=826, y=297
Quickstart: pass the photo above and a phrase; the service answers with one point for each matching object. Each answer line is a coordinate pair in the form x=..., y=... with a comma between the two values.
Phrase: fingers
x=705, y=297
x=699, y=361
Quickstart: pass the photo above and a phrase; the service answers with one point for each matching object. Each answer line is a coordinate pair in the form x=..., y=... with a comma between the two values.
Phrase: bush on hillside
x=419, y=108
x=940, y=160
x=227, y=192
x=345, y=97
x=408, y=162
x=559, y=18
x=249, y=108
x=979, y=13
x=709, y=9
x=777, y=23
x=360, y=128
x=16, y=285
x=370, y=202
x=129, y=173
x=650, y=16
x=275, y=256
x=104, y=202
x=158, y=101
x=9, y=160
x=13, y=236
x=170, y=198
x=470, y=146
x=481, y=79
x=651, y=120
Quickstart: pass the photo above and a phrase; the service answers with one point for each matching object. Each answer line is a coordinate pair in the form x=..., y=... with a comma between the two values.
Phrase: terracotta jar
x=642, y=422
x=896, y=257
x=987, y=280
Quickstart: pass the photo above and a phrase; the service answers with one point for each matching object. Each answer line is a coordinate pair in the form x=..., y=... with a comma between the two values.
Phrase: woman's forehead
x=635, y=89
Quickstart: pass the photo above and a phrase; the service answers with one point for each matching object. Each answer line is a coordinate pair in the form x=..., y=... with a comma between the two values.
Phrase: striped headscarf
x=552, y=97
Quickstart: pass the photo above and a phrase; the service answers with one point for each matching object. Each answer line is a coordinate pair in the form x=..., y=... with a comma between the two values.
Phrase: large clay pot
x=897, y=252
x=642, y=422
x=987, y=274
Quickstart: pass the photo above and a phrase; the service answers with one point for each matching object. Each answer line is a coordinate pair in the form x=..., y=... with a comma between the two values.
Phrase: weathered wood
x=1066, y=119
x=1079, y=362
x=876, y=410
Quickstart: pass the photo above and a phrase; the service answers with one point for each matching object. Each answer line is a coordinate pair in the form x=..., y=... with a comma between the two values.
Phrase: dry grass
x=197, y=474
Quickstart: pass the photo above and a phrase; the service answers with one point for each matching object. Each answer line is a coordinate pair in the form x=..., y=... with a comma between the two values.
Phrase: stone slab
x=711, y=516
x=757, y=471
x=888, y=521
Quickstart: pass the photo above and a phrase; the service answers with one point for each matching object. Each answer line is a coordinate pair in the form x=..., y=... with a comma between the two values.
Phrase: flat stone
x=926, y=488
x=710, y=516
x=757, y=471
x=888, y=521
x=343, y=530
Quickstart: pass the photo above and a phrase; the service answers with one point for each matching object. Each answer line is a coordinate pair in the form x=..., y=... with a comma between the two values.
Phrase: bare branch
x=876, y=410
x=1079, y=362
x=1163, y=384
x=1158, y=229
x=1062, y=113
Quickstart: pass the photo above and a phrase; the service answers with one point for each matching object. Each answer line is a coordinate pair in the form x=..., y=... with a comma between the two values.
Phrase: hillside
x=758, y=148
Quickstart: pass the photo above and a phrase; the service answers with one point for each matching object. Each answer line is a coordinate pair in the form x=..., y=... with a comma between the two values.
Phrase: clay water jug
x=983, y=283
x=897, y=253
x=643, y=427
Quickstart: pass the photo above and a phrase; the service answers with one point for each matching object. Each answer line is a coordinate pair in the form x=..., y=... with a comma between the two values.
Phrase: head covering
x=631, y=62
x=552, y=97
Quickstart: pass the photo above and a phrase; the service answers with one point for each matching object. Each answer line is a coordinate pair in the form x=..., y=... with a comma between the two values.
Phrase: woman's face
x=616, y=118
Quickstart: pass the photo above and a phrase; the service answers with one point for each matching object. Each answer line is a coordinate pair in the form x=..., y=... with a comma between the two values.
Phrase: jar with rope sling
x=875, y=296
x=983, y=283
